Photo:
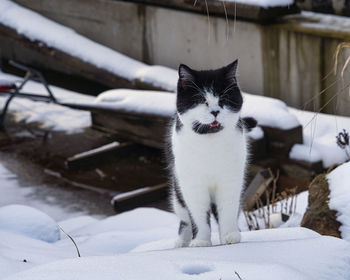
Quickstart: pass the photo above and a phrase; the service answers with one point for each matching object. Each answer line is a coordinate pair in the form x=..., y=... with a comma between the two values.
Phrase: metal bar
x=4, y=110
x=28, y=95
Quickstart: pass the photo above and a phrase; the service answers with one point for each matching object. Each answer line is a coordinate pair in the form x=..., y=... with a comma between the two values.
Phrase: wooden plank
x=139, y=197
x=217, y=8
x=147, y=130
x=85, y=158
x=256, y=188
x=38, y=55
x=280, y=141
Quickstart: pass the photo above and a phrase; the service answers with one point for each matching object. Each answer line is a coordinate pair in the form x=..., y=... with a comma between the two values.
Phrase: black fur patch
x=214, y=210
x=192, y=84
x=178, y=123
x=246, y=123
x=205, y=128
x=182, y=226
x=178, y=195
x=194, y=228
x=284, y=217
x=208, y=218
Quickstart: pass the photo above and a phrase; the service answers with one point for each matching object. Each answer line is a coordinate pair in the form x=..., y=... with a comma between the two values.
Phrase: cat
x=207, y=154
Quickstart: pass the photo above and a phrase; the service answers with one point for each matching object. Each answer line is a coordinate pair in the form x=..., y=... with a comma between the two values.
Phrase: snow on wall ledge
x=38, y=28
x=264, y=3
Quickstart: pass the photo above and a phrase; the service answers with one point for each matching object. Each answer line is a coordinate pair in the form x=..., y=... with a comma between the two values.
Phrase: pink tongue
x=214, y=124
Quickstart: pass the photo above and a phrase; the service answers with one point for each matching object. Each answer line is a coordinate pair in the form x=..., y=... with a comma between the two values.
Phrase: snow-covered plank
x=54, y=46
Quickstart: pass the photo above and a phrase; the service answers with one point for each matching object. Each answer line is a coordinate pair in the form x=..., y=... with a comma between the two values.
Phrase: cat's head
x=208, y=101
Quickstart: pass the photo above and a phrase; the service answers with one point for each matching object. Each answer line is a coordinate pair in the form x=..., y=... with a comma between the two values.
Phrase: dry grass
x=283, y=203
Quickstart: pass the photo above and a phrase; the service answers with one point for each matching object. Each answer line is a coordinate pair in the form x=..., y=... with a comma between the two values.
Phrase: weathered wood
x=233, y=10
x=37, y=54
x=301, y=169
x=256, y=188
x=280, y=141
x=145, y=129
x=325, y=6
x=85, y=158
x=139, y=197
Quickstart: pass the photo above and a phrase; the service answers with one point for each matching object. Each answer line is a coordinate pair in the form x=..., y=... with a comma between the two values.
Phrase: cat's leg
x=180, y=209
x=228, y=205
x=198, y=203
x=185, y=228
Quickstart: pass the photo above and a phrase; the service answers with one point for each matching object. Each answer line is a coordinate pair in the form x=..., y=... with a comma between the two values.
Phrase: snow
x=339, y=196
x=49, y=116
x=139, y=101
x=261, y=108
x=299, y=151
x=256, y=133
x=264, y=3
x=28, y=221
x=319, y=137
x=139, y=245
x=38, y=28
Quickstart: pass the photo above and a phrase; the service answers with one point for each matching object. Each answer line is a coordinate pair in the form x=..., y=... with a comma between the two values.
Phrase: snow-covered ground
x=25, y=183
x=138, y=245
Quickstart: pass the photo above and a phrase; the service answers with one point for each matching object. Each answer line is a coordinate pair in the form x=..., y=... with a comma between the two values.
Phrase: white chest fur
x=211, y=158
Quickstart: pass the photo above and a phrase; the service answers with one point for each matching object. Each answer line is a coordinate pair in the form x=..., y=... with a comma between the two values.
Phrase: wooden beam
x=139, y=197
x=256, y=188
x=85, y=158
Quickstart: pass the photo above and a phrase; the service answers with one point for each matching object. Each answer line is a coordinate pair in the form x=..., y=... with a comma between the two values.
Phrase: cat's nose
x=215, y=113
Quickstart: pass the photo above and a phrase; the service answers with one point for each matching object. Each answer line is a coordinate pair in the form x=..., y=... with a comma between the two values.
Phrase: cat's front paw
x=179, y=243
x=231, y=238
x=200, y=243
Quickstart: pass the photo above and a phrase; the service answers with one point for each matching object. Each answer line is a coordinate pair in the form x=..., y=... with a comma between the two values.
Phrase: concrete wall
x=289, y=60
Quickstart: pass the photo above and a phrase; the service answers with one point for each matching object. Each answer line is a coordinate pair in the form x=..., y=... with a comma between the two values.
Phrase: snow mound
x=268, y=112
x=319, y=138
x=28, y=221
x=299, y=151
x=307, y=256
x=339, y=186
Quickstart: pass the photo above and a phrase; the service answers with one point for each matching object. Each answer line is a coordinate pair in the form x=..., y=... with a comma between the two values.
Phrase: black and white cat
x=208, y=155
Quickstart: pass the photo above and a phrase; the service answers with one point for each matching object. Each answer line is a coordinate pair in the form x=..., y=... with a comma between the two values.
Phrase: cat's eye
x=206, y=103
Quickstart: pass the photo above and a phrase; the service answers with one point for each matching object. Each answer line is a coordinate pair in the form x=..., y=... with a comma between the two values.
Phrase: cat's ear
x=185, y=73
x=231, y=71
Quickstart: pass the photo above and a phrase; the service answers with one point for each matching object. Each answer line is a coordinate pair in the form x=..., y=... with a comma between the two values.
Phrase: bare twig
x=71, y=238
